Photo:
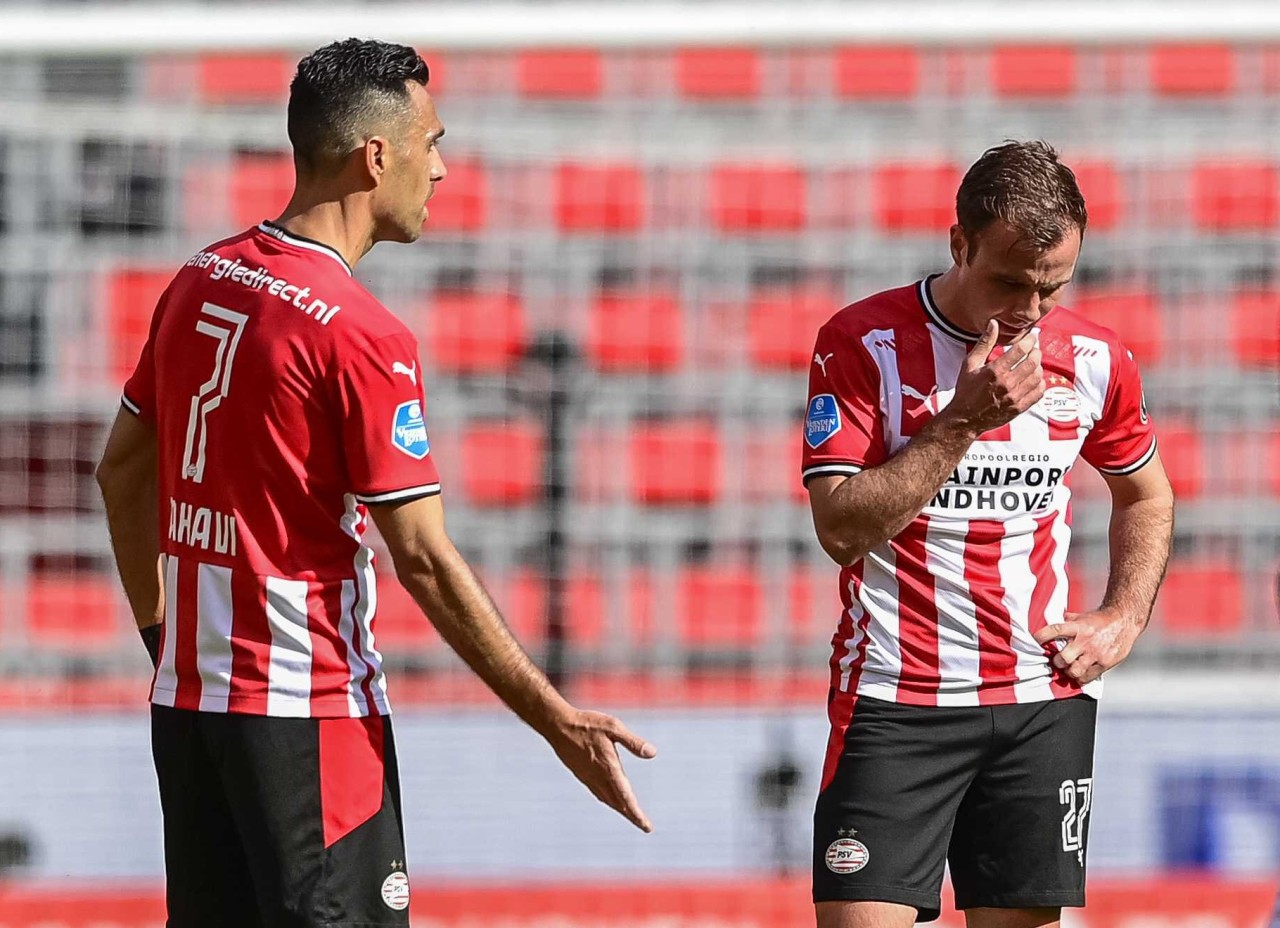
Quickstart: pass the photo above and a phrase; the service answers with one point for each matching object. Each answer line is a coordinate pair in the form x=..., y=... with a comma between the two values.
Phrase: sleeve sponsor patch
x=822, y=420
x=409, y=431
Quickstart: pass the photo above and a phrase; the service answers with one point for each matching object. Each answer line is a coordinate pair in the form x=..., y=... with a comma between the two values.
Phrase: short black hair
x=343, y=90
x=1028, y=187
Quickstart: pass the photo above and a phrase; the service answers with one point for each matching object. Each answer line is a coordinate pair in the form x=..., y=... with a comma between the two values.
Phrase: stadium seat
x=1034, y=71
x=1183, y=454
x=599, y=198
x=719, y=608
x=770, y=463
x=783, y=323
x=1200, y=597
x=461, y=201
x=474, y=333
x=75, y=611
x=131, y=297
x=635, y=332
x=877, y=72
x=502, y=463
x=718, y=73
x=1240, y=196
x=1255, y=328
x=260, y=186
x=676, y=462
x=915, y=197
x=399, y=624
x=1103, y=193
x=758, y=198
x=523, y=601
x=1192, y=70
x=560, y=74
x=1134, y=315
x=244, y=78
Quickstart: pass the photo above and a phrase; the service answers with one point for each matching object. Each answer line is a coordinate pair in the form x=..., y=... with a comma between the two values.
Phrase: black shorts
x=276, y=823
x=1002, y=793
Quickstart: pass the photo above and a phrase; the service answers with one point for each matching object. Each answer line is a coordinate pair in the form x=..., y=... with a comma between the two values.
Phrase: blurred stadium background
x=649, y=211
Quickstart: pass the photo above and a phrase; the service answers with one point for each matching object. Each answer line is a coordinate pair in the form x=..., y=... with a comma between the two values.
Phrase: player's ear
x=959, y=245
x=376, y=150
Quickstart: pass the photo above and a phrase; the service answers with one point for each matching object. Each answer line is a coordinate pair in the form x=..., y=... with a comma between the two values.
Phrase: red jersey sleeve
x=1122, y=440
x=384, y=429
x=842, y=430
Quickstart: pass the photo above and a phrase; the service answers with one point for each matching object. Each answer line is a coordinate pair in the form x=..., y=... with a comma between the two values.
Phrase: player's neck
x=947, y=298
x=332, y=223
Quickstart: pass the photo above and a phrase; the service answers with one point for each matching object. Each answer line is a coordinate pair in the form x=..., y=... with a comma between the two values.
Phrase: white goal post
x=119, y=28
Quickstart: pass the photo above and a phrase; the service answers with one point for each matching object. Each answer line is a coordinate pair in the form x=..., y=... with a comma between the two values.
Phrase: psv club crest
x=846, y=855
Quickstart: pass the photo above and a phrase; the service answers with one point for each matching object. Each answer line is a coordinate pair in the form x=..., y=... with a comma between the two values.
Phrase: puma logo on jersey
x=822, y=362
x=930, y=401
x=397, y=367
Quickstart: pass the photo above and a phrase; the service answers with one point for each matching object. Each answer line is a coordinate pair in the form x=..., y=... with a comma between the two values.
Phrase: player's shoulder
x=364, y=320
x=888, y=309
x=1067, y=323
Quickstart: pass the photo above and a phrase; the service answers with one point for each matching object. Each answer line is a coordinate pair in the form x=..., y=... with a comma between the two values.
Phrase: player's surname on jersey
x=201, y=527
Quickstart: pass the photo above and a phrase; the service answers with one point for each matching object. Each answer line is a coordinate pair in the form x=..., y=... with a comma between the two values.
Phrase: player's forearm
x=461, y=610
x=130, y=495
x=873, y=506
x=1141, y=534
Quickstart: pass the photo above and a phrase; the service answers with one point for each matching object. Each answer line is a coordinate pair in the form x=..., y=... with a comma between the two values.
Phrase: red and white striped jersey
x=285, y=397
x=944, y=613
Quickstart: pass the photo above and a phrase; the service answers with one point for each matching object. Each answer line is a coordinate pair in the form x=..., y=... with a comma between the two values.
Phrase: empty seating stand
x=472, y=333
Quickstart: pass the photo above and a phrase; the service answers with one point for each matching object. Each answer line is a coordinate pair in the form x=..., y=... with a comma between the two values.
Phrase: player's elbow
x=841, y=548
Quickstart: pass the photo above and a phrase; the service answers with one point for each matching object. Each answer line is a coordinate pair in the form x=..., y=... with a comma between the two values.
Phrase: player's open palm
x=990, y=393
x=587, y=745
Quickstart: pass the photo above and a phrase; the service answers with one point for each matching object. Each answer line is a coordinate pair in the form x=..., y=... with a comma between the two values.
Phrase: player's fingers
x=623, y=799
x=1016, y=353
x=982, y=349
x=1065, y=630
x=1093, y=673
x=631, y=741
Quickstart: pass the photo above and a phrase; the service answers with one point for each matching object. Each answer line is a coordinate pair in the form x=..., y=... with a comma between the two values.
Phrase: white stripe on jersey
x=164, y=689
x=959, y=656
x=213, y=635
x=879, y=344
x=289, y=673
x=346, y=631
x=1019, y=583
x=883, y=666
x=1093, y=374
x=851, y=644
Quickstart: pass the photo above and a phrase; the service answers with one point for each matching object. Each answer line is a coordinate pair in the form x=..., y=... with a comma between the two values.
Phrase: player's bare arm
x=127, y=478
x=853, y=514
x=1141, y=534
x=444, y=586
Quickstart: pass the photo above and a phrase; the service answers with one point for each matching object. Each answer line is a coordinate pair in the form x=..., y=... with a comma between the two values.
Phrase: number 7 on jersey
x=226, y=326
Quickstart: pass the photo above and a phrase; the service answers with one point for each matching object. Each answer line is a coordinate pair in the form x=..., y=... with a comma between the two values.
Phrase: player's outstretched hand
x=1090, y=643
x=991, y=393
x=586, y=743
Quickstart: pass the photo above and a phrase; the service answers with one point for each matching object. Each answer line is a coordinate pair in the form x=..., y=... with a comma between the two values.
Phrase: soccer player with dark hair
x=944, y=420
x=275, y=407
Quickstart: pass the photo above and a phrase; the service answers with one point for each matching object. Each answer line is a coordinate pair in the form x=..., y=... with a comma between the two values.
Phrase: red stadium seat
x=782, y=325
x=1236, y=197
x=1200, y=597
x=461, y=200
x=502, y=463
x=475, y=333
x=1034, y=71
x=813, y=605
x=719, y=608
x=636, y=332
x=562, y=74
x=1182, y=453
x=1103, y=193
x=260, y=186
x=916, y=197
x=1192, y=70
x=758, y=198
x=244, y=78
x=523, y=601
x=1134, y=315
x=77, y=611
x=877, y=72
x=399, y=623
x=770, y=458
x=676, y=462
x=1255, y=329
x=718, y=73
x=131, y=297
x=599, y=197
